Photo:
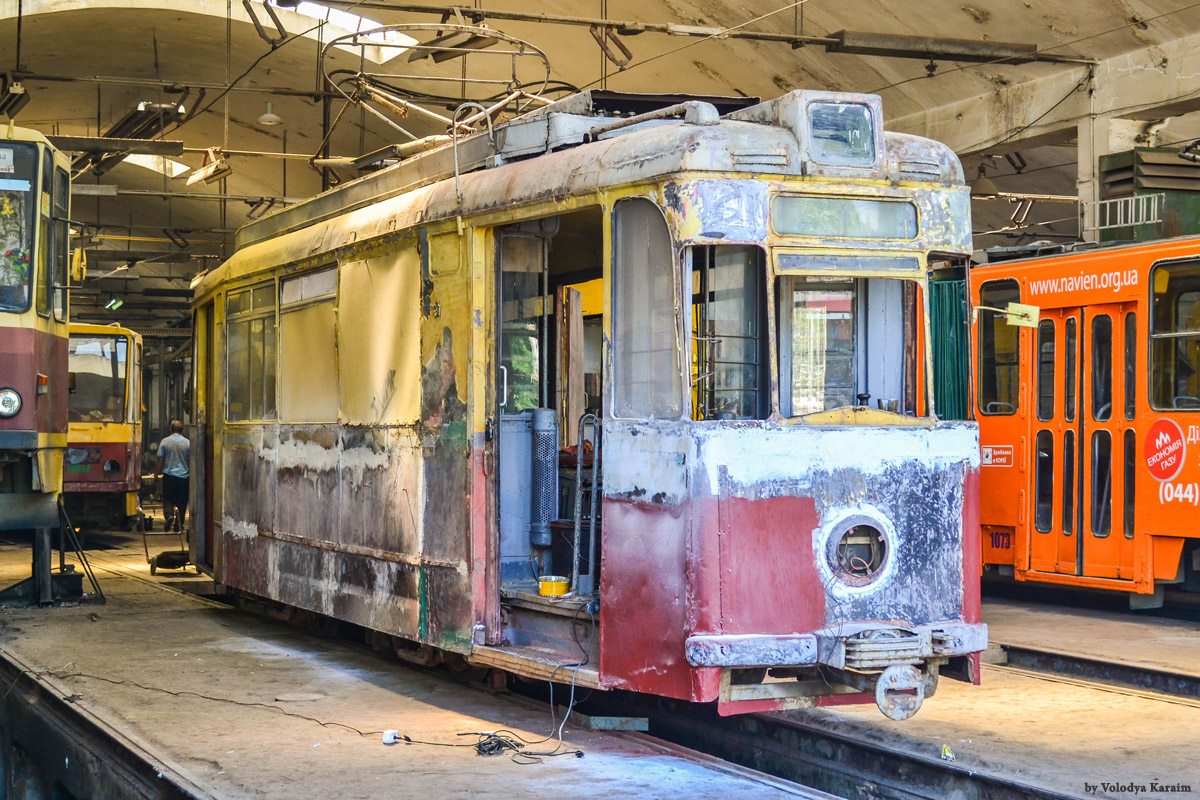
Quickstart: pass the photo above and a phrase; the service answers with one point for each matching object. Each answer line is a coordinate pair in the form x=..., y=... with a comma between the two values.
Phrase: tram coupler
x=899, y=689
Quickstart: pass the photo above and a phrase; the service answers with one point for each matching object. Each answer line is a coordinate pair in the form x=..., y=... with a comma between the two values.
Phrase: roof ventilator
x=692, y=111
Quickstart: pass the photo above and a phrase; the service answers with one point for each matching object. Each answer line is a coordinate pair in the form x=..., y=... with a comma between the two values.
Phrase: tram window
x=1130, y=365
x=1101, y=483
x=250, y=353
x=44, y=264
x=99, y=365
x=522, y=264
x=308, y=378
x=1175, y=337
x=727, y=327
x=1045, y=406
x=1102, y=358
x=1044, y=513
x=999, y=350
x=647, y=380
x=1130, y=453
x=1068, y=505
x=18, y=171
x=817, y=347
x=61, y=246
x=1069, y=379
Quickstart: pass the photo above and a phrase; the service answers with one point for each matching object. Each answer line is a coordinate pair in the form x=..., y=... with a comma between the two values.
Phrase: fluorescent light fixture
x=214, y=168
x=114, y=303
x=160, y=164
x=13, y=97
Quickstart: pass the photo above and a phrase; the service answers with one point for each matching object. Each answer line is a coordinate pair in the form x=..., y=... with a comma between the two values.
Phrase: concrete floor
x=253, y=709
x=1151, y=642
x=1057, y=732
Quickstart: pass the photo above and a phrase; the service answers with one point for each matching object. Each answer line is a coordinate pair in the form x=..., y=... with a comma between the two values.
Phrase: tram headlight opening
x=10, y=402
x=856, y=550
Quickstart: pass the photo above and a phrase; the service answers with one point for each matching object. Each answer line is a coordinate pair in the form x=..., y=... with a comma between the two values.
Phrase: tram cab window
x=999, y=348
x=843, y=341
x=98, y=365
x=647, y=379
x=727, y=348
x=18, y=171
x=1175, y=337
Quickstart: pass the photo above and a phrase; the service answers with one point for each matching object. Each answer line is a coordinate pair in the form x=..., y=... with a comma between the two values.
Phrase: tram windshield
x=18, y=173
x=98, y=364
x=845, y=342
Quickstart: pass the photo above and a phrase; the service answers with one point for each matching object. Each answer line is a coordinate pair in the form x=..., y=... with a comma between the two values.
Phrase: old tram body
x=1090, y=416
x=103, y=463
x=34, y=265
x=391, y=380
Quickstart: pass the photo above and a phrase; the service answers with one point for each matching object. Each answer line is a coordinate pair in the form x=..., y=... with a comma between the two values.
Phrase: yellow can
x=552, y=585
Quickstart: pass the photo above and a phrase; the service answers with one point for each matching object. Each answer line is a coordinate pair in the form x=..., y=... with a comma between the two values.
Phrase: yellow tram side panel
x=380, y=300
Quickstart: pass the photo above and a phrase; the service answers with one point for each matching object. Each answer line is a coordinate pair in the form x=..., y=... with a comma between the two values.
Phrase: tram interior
x=550, y=357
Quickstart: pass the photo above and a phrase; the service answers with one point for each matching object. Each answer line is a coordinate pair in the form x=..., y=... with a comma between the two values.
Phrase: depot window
x=1175, y=337
x=727, y=347
x=999, y=348
x=250, y=353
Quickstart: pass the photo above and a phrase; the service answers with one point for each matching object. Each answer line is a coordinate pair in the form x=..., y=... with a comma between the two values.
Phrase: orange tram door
x=1087, y=394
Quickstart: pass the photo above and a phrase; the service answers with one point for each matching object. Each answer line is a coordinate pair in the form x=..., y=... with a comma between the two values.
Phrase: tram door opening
x=548, y=376
x=1084, y=444
x=521, y=390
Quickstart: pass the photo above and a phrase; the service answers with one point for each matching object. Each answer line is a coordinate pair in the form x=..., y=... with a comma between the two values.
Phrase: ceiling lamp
x=983, y=186
x=270, y=119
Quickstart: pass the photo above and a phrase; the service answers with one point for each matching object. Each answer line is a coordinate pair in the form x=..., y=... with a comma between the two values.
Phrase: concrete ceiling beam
x=1147, y=84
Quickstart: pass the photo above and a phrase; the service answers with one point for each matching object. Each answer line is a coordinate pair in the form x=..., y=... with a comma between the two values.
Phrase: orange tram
x=1087, y=393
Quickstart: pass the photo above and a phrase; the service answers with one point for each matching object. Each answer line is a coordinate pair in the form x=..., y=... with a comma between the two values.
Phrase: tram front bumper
x=859, y=646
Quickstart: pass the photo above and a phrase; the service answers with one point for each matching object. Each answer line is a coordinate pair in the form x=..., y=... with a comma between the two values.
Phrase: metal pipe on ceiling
x=622, y=27
x=170, y=86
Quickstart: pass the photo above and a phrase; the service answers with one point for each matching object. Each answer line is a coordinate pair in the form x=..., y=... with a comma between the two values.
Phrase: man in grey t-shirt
x=172, y=466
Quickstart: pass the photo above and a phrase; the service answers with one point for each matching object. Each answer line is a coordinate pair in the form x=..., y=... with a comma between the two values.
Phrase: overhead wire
x=254, y=65
x=719, y=34
x=1010, y=59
